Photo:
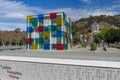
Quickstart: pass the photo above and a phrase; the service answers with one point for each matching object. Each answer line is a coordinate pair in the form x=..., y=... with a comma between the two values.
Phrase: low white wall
x=26, y=68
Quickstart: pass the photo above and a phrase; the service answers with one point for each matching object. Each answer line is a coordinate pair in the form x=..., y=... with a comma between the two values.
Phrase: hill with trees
x=83, y=26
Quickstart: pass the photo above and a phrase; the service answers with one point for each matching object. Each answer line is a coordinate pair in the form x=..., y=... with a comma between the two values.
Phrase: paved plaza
x=112, y=54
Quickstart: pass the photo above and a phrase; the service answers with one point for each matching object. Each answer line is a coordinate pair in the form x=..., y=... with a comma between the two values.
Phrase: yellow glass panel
x=64, y=40
x=67, y=30
x=29, y=18
x=60, y=22
x=71, y=46
x=34, y=46
x=46, y=34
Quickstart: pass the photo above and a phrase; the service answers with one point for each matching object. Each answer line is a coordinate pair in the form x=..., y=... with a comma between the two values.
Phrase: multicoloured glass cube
x=51, y=31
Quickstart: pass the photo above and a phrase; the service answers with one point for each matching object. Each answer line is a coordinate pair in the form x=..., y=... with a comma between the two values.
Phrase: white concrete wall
x=21, y=68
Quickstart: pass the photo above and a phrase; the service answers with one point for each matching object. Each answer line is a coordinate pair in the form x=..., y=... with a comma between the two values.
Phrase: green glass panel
x=34, y=23
x=69, y=36
x=70, y=29
x=53, y=27
x=63, y=15
x=41, y=46
x=65, y=46
x=40, y=40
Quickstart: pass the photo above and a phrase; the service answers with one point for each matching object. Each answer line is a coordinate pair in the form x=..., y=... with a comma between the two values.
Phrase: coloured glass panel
x=40, y=28
x=60, y=22
x=29, y=18
x=40, y=40
x=52, y=16
x=34, y=46
x=40, y=17
x=29, y=29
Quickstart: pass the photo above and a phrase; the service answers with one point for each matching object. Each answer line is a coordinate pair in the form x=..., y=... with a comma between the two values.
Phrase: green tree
x=113, y=35
x=101, y=36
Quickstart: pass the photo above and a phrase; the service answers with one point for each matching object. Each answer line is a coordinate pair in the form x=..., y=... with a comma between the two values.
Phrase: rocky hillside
x=83, y=25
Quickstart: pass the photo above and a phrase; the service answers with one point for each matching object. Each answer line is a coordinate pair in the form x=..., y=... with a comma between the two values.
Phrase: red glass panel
x=52, y=15
x=40, y=28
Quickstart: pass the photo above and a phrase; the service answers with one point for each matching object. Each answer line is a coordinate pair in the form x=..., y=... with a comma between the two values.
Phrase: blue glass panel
x=29, y=29
x=40, y=17
x=46, y=28
x=60, y=34
x=46, y=46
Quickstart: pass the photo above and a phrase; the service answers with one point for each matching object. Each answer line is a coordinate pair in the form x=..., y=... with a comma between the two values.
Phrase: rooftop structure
x=51, y=31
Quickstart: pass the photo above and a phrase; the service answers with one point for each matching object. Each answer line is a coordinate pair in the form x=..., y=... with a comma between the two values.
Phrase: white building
x=94, y=28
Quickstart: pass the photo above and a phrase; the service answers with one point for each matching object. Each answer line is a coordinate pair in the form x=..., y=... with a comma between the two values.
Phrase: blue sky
x=13, y=12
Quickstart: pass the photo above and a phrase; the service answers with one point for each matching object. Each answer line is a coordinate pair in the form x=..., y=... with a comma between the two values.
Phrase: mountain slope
x=83, y=26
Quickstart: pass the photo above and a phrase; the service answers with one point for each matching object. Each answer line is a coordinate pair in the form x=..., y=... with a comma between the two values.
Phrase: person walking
x=104, y=47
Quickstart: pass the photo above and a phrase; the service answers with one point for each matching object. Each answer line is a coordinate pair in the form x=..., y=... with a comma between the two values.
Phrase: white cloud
x=11, y=26
x=85, y=1
x=12, y=10
x=76, y=14
x=18, y=10
x=13, y=16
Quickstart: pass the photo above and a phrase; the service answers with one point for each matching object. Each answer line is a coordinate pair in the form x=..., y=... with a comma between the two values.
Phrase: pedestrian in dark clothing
x=104, y=47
